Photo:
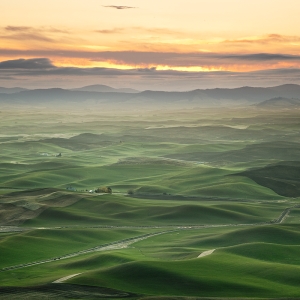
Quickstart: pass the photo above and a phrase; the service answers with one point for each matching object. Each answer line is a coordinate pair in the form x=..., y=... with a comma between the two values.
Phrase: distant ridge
x=201, y=98
x=292, y=89
x=11, y=90
x=104, y=88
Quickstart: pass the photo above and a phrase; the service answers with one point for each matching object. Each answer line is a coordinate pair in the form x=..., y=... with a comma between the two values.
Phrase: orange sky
x=190, y=35
x=217, y=26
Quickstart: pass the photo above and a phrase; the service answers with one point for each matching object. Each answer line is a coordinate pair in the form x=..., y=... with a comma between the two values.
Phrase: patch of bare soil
x=206, y=253
x=17, y=207
x=59, y=199
x=13, y=215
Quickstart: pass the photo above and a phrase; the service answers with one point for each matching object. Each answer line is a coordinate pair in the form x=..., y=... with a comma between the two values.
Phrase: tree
x=104, y=189
x=130, y=192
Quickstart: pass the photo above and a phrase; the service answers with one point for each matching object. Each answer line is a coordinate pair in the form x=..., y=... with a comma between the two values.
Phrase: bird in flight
x=118, y=6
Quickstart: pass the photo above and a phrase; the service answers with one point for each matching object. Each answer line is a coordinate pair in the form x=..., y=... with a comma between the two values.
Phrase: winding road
x=126, y=242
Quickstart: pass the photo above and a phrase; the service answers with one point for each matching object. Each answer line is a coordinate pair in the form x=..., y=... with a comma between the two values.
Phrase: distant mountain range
x=288, y=94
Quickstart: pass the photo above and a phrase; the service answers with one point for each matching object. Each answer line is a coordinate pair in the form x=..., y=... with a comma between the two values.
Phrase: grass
x=228, y=170
x=257, y=269
x=274, y=253
x=167, y=265
x=42, y=244
x=121, y=210
x=215, y=276
x=282, y=178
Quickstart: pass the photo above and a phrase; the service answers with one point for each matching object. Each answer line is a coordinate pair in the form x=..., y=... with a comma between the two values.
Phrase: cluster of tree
x=104, y=189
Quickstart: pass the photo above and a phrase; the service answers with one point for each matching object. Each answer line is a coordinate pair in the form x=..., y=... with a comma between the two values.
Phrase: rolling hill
x=279, y=103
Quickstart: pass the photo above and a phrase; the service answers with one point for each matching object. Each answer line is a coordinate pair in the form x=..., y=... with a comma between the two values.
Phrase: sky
x=149, y=44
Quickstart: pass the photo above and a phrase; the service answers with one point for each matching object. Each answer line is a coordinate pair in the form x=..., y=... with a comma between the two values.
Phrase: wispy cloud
x=119, y=6
x=270, y=38
x=20, y=36
x=42, y=29
x=110, y=31
x=18, y=28
x=26, y=33
x=144, y=30
x=161, y=31
x=261, y=57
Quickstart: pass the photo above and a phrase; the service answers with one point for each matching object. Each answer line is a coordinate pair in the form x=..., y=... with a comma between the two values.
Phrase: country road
x=126, y=242
x=63, y=279
x=105, y=247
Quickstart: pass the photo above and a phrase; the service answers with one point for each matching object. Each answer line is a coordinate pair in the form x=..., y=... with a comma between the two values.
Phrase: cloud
x=191, y=59
x=110, y=31
x=42, y=29
x=54, y=30
x=27, y=37
x=267, y=39
x=138, y=59
x=262, y=57
x=27, y=64
x=142, y=30
x=44, y=66
x=25, y=33
x=38, y=72
x=119, y=6
x=161, y=31
x=18, y=28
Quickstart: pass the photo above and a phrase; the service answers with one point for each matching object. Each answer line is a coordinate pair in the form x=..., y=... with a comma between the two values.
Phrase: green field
x=183, y=183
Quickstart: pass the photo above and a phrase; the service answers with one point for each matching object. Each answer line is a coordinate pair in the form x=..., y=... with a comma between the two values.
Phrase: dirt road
x=206, y=253
x=125, y=243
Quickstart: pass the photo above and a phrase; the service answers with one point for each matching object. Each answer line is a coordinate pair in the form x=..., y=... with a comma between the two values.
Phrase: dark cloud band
x=170, y=59
x=39, y=72
x=44, y=66
x=27, y=64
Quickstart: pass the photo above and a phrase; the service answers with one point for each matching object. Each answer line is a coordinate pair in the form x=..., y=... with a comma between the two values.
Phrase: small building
x=71, y=188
